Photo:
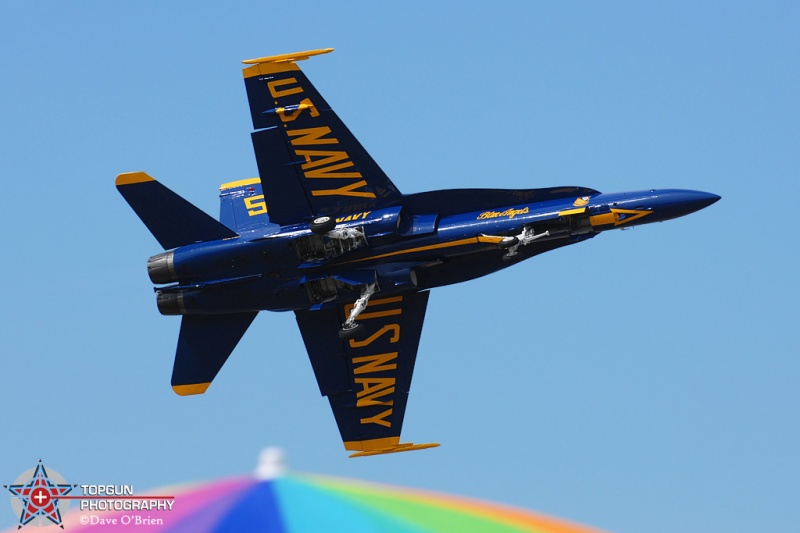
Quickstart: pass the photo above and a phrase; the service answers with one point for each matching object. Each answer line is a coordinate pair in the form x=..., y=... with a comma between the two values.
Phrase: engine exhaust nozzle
x=161, y=268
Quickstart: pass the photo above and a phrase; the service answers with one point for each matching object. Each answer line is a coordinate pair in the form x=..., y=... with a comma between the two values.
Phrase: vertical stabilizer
x=242, y=206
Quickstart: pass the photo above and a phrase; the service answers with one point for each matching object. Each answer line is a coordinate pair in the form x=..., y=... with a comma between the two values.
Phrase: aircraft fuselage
x=290, y=268
x=325, y=233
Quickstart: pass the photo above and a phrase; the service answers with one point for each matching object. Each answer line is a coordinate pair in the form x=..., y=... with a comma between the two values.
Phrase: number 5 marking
x=255, y=205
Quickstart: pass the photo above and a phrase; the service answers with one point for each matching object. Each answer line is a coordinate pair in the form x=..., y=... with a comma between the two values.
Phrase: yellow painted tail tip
x=405, y=447
x=130, y=178
x=283, y=58
x=240, y=183
x=188, y=390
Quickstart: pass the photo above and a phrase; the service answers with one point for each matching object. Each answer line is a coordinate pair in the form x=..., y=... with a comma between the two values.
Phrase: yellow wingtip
x=130, y=178
x=290, y=58
x=188, y=390
x=405, y=447
x=365, y=448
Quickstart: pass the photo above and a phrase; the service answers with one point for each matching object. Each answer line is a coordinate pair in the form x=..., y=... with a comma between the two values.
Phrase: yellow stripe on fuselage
x=461, y=242
x=614, y=217
x=577, y=211
x=603, y=219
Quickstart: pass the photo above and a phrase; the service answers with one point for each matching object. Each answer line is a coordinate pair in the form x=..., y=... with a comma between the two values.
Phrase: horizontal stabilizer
x=172, y=220
x=204, y=345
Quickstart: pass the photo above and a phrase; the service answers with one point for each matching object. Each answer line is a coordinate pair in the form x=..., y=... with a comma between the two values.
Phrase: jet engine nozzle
x=161, y=268
x=170, y=303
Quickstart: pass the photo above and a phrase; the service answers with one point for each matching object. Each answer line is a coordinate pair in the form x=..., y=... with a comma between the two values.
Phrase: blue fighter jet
x=324, y=233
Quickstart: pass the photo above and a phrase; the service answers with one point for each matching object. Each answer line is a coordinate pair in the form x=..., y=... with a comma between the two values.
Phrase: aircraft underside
x=323, y=232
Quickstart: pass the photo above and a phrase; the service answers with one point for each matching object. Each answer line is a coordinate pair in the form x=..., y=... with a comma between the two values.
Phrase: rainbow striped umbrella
x=295, y=503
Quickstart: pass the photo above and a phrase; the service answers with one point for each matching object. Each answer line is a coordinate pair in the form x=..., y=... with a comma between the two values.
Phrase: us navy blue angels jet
x=324, y=233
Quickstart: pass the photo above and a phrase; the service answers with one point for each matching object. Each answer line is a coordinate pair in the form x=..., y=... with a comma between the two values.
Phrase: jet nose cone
x=704, y=199
x=676, y=203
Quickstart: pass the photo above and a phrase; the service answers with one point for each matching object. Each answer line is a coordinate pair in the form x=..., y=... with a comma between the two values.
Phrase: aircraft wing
x=367, y=378
x=309, y=162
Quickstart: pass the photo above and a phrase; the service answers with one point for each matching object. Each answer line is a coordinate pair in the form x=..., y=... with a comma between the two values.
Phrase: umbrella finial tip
x=271, y=463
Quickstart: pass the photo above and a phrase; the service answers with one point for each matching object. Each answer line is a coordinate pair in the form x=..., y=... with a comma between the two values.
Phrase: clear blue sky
x=646, y=380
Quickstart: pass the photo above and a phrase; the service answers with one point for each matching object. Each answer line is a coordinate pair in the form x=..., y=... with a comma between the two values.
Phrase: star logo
x=37, y=496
